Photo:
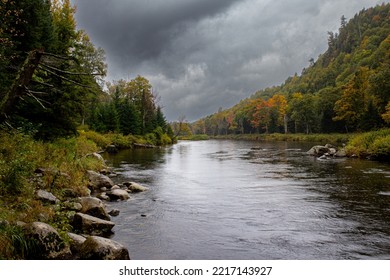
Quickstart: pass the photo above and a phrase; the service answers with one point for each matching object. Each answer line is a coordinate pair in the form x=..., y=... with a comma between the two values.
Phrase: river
x=222, y=199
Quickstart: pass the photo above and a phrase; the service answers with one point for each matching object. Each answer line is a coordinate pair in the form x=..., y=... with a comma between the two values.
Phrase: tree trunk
x=285, y=124
x=22, y=80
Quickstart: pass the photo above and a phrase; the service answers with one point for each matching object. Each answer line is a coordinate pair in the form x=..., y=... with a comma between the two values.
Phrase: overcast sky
x=200, y=55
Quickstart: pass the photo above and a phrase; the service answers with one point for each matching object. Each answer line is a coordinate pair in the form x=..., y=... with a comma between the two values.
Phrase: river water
x=222, y=199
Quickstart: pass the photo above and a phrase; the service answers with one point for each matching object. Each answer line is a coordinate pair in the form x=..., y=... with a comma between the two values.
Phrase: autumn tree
x=352, y=105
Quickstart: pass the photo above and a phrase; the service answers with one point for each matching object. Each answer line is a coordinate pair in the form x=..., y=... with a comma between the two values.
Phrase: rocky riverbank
x=87, y=216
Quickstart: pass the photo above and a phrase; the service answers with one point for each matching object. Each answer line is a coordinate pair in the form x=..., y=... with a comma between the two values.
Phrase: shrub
x=376, y=143
x=100, y=140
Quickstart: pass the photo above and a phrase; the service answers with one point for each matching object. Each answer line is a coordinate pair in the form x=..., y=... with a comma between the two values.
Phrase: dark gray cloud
x=204, y=54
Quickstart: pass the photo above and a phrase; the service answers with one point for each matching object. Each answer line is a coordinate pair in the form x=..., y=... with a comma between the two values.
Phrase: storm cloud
x=201, y=55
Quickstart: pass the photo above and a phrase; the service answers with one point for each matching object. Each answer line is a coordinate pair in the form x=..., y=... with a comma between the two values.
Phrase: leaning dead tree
x=21, y=82
x=36, y=59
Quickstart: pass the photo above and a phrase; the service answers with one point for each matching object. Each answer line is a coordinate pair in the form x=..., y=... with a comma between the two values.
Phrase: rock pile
x=326, y=152
x=90, y=221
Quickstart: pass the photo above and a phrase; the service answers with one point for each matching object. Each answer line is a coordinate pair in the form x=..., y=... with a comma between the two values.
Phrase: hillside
x=346, y=89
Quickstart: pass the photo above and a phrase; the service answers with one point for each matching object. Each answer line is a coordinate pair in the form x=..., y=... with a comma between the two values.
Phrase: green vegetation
x=345, y=90
x=196, y=137
x=51, y=79
x=52, y=94
x=63, y=162
x=55, y=110
x=298, y=137
x=375, y=144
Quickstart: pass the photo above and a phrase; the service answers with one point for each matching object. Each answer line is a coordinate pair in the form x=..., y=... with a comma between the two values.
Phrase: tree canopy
x=51, y=77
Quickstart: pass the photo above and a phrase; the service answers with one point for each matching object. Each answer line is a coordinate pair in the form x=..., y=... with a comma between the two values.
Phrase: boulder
x=118, y=194
x=330, y=146
x=341, y=153
x=116, y=187
x=135, y=187
x=47, y=241
x=332, y=151
x=99, y=248
x=76, y=241
x=98, y=157
x=97, y=181
x=72, y=206
x=103, y=196
x=46, y=196
x=318, y=151
x=91, y=225
x=94, y=206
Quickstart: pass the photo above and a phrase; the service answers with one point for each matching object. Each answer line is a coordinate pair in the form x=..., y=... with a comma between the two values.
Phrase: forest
x=56, y=113
x=52, y=78
x=347, y=89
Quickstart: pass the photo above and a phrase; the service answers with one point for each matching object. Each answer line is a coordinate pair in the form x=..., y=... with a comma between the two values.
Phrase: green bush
x=18, y=155
x=381, y=147
x=375, y=143
x=100, y=140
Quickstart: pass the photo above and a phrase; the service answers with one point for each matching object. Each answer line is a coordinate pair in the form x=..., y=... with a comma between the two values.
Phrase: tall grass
x=374, y=143
x=64, y=162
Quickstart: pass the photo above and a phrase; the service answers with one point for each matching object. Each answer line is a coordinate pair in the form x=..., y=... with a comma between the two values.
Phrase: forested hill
x=346, y=89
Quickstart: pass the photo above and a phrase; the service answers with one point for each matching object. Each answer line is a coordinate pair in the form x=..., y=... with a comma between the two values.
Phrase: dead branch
x=64, y=78
x=70, y=73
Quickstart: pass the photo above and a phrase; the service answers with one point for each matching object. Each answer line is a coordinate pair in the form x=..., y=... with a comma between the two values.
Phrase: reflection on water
x=252, y=200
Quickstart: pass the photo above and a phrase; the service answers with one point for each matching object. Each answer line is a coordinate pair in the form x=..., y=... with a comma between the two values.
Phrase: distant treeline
x=346, y=89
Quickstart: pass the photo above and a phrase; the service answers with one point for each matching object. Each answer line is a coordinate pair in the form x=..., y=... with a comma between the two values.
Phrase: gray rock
x=94, y=206
x=323, y=157
x=116, y=187
x=135, y=187
x=99, y=248
x=341, y=153
x=91, y=225
x=70, y=205
x=71, y=193
x=98, y=181
x=103, y=196
x=118, y=194
x=76, y=241
x=318, y=151
x=330, y=146
x=98, y=157
x=114, y=212
x=49, y=244
x=46, y=196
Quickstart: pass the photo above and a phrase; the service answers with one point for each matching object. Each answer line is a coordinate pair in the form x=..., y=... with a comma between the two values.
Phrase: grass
x=371, y=144
x=196, y=137
x=65, y=162
x=156, y=138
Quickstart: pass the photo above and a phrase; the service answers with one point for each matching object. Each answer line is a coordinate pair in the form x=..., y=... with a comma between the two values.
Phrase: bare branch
x=64, y=78
x=71, y=73
x=58, y=56
x=43, y=83
x=31, y=93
